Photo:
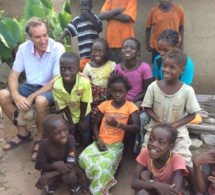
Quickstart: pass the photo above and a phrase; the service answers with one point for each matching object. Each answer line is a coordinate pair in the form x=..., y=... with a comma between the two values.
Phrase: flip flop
x=22, y=139
x=35, y=151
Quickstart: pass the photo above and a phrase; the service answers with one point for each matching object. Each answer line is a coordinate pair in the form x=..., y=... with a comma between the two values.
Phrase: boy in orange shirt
x=162, y=17
x=120, y=16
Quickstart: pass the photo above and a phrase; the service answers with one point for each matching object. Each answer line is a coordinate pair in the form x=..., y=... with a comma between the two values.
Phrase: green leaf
x=2, y=39
x=5, y=52
x=22, y=24
x=10, y=31
x=37, y=11
x=67, y=7
x=64, y=19
x=47, y=3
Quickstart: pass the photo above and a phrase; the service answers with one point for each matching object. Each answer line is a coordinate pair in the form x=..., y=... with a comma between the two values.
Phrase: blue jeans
x=26, y=89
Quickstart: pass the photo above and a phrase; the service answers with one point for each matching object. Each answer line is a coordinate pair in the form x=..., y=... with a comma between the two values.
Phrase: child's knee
x=146, y=175
x=70, y=178
x=142, y=192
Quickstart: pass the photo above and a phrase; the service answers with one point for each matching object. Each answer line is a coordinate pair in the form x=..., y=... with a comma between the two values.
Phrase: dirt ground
x=18, y=176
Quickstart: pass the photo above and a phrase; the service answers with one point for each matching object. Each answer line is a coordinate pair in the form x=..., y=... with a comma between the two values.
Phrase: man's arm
x=21, y=102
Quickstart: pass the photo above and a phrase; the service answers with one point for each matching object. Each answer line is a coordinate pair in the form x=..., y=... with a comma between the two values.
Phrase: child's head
x=69, y=66
x=100, y=51
x=161, y=140
x=165, y=3
x=130, y=48
x=85, y=6
x=56, y=129
x=118, y=86
x=174, y=64
x=167, y=41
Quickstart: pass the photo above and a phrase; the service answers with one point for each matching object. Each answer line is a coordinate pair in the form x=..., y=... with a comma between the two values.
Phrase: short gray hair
x=33, y=22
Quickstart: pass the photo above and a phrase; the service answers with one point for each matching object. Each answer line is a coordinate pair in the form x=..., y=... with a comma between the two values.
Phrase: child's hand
x=205, y=158
x=212, y=180
x=165, y=189
x=97, y=102
x=83, y=124
x=111, y=121
x=42, y=182
x=62, y=167
x=101, y=146
x=148, y=47
x=87, y=14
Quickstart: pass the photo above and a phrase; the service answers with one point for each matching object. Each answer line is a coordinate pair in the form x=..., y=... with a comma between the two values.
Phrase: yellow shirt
x=81, y=92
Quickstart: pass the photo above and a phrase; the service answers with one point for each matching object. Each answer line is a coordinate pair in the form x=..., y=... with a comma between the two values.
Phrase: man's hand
x=21, y=102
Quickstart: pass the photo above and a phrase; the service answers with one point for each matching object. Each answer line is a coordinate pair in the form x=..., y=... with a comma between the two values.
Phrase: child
x=120, y=16
x=204, y=172
x=173, y=102
x=164, y=16
x=138, y=73
x=99, y=69
x=87, y=27
x=114, y=118
x=56, y=156
x=167, y=41
x=159, y=171
x=73, y=95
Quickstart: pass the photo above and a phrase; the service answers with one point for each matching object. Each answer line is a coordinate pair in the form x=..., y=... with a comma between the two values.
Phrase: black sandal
x=35, y=151
x=22, y=139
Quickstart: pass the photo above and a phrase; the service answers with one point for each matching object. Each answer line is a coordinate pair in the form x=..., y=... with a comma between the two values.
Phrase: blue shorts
x=26, y=89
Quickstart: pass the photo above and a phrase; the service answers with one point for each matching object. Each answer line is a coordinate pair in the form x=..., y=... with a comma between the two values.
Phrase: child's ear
x=177, y=45
x=171, y=146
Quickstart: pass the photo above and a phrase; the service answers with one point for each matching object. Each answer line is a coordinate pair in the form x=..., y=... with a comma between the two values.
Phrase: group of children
x=105, y=101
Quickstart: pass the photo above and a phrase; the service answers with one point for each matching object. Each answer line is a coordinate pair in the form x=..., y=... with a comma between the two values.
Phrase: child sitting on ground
x=56, y=157
x=99, y=70
x=73, y=95
x=167, y=41
x=87, y=27
x=164, y=16
x=174, y=102
x=204, y=172
x=159, y=171
x=114, y=118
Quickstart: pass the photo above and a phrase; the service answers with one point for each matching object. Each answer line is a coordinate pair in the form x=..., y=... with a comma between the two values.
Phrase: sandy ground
x=18, y=176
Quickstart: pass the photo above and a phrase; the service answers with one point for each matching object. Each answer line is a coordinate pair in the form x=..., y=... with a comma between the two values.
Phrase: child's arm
x=133, y=126
x=82, y=122
x=90, y=16
x=138, y=184
x=148, y=32
x=184, y=120
x=63, y=35
x=200, y=177
x=69, y=118
x=108, y=15
x=101, y=146
x=181, y=32
x=154, y=116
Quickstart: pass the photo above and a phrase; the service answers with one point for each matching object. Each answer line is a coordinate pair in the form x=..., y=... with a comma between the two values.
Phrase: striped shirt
x=86, y=32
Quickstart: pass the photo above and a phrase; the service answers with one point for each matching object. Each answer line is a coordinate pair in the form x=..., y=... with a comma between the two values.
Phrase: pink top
x=176, y=163
x=135, y=77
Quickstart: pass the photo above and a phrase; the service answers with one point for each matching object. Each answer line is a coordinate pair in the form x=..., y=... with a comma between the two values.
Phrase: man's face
x=39, y=36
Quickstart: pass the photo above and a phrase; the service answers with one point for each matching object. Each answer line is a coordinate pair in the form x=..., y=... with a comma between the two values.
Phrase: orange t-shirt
x=161, y=21
x=110, y=134
x=118, y=31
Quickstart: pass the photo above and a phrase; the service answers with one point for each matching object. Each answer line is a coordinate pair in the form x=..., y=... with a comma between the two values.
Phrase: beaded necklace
x=163, y=170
